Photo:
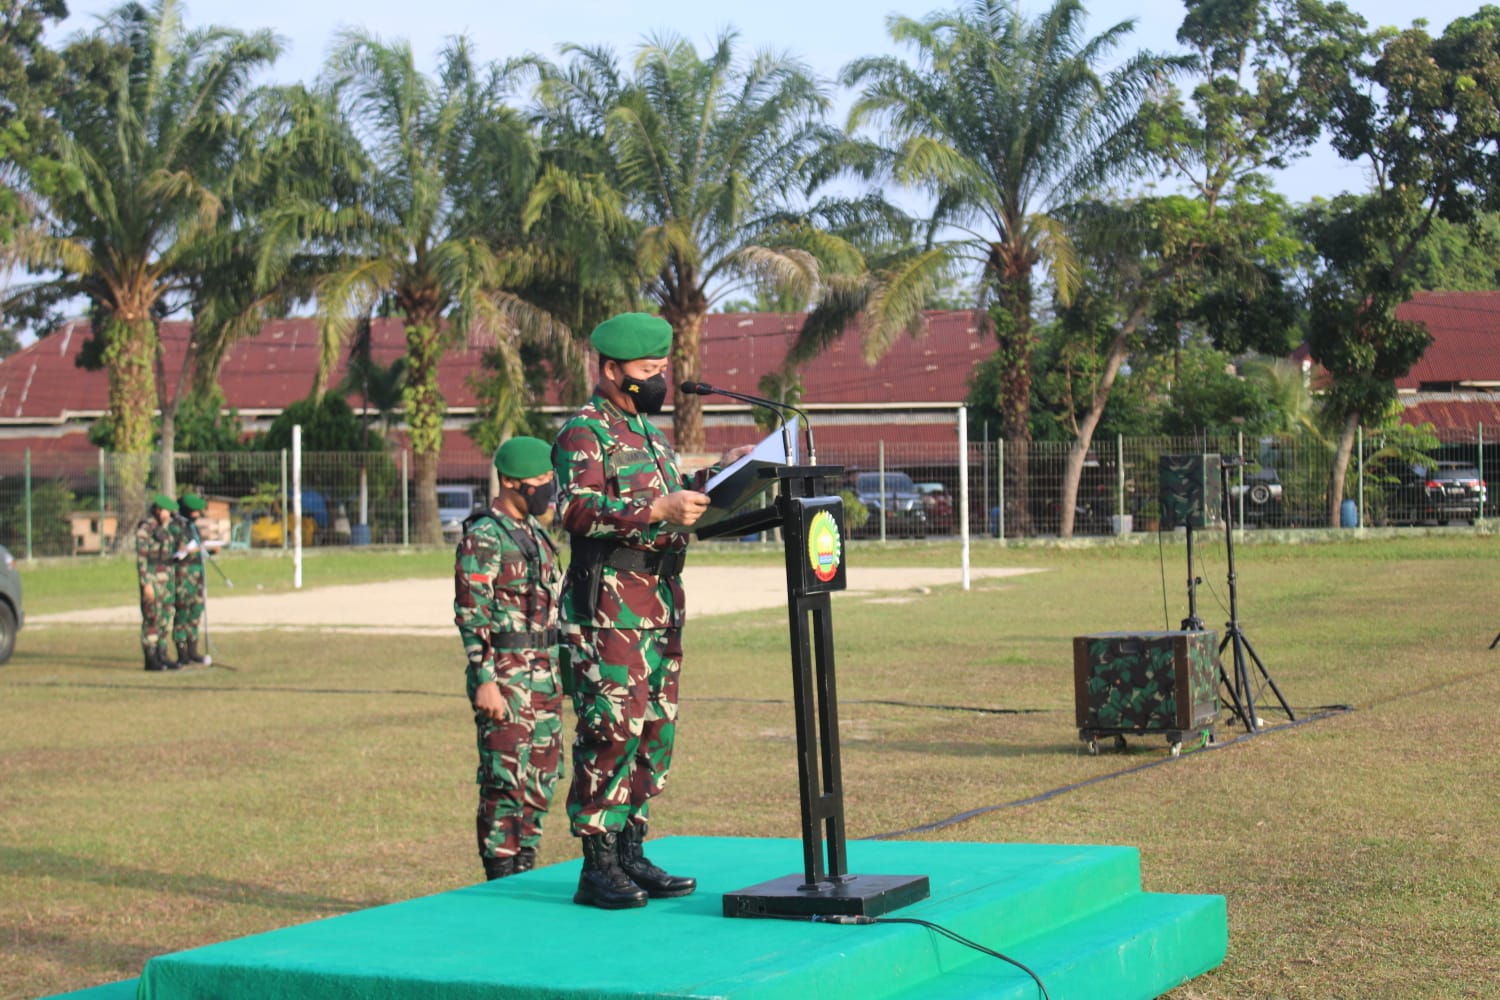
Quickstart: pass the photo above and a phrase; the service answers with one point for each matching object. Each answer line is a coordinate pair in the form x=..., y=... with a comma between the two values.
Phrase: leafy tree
x=692, y=162
x=1424, y=114
x=147, y=122
x=1002, y=121
x=51, y=525
x=205, y=423
x=328, y=424
x=30, y=74
x=447, y=163
x=1212, y=271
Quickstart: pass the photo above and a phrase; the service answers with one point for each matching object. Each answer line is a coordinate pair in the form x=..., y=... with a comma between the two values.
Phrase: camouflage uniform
x=154, y=545
x=502, y=595
x=188, y=584
x=625, y=658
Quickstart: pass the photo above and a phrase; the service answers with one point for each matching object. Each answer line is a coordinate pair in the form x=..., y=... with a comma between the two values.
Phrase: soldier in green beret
x=188, y=582
x=628, y=509
x=154, y=545
x=506, y=584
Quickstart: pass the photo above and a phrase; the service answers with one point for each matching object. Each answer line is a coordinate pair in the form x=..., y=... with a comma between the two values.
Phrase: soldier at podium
x=628, y=509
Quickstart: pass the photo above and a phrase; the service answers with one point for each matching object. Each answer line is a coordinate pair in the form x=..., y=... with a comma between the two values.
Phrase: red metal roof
x=1465, y=329
x=41, y=384
x=1456, y=416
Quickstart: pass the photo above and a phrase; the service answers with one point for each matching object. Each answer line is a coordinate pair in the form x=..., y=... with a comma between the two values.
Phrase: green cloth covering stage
x=1075, y=915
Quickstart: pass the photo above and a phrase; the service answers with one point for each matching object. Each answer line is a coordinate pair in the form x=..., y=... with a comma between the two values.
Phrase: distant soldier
x=628, y=509
x=154, y=545
x=188, y=582
x=506, y=586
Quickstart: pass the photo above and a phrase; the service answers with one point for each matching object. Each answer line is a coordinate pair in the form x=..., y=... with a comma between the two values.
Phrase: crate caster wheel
x=1120, y=743
x=1176, y=749
x=1093, y=748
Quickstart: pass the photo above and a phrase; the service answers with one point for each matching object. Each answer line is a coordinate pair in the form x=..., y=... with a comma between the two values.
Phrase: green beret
x=192, y=501
x=164, y=502
x=523, y=457
x=629, y=336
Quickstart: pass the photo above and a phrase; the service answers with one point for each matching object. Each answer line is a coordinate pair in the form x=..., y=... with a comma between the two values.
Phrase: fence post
x=984, y=497
x=28, y=505
x=1120, y=485
x=1479, y=464
x=285, y=527
x=103, y=549
x=1000, y=488
x=405, y=501
x=880, y=465
x=1359, y=486
x=1239, y=504
x=296, y=506
x=963, y=490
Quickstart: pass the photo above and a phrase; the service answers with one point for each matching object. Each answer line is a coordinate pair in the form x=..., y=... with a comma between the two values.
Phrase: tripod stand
x=1239, y=692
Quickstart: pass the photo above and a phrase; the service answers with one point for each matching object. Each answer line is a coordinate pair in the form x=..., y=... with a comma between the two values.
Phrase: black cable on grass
x=978, y=710
x=967, y=815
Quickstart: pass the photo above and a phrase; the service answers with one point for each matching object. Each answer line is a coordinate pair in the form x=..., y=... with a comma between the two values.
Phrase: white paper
x=771, y=449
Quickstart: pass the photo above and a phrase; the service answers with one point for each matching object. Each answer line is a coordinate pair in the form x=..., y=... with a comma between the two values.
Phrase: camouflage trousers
x=624, y=687
x=520, y=759
x=187, y=616
x=157, y=610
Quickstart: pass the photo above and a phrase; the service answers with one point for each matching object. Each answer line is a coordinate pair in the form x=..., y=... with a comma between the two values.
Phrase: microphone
x=704, y=389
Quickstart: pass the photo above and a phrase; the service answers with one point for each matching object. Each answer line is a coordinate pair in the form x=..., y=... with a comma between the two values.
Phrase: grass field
x=1359, y=851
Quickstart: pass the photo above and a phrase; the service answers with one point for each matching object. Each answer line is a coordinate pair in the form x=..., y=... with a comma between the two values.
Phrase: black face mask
x=649, y=395
x=538, y=498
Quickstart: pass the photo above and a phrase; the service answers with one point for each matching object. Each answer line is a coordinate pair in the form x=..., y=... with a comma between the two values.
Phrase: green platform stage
x=1076, y=915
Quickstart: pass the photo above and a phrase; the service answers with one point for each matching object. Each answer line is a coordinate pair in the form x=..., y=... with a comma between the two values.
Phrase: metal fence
x=88, y=506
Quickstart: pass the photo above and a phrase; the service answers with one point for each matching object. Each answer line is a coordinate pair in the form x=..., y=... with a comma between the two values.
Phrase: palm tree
x=145, y=129
x=436, y=226
x=693, y=163
x=1002, y=121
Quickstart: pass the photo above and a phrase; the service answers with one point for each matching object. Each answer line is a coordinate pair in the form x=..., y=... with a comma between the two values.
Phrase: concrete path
x=425, y=607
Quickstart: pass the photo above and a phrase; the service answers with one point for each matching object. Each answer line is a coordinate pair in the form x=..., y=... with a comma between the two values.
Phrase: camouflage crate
x=1192, y=495
x=1145, y=682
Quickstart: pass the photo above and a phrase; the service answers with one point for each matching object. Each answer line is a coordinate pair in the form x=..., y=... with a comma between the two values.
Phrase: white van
x=456, y=501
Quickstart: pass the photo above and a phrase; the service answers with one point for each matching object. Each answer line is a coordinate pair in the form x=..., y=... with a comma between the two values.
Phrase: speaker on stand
x=1191, y=498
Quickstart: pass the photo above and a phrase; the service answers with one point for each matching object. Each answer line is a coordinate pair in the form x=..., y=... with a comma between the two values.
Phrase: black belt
x=525, y=640
x=657, y=562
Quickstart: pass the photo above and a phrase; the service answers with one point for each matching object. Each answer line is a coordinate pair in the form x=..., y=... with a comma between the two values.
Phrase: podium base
x=857, y=896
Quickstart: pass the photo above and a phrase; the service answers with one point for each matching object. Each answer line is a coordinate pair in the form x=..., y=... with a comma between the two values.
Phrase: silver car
x=12, y=616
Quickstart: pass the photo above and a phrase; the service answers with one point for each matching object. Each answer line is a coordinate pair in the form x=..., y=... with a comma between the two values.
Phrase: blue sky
x=825, y=33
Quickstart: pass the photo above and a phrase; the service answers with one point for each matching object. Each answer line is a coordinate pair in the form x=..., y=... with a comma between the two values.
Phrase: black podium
x=812, y=527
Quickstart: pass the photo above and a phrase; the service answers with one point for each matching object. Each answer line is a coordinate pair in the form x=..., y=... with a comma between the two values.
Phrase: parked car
x=942, y=516
x=1442, y=491
x=12, y=615
x=456, y=501
x=900, y=504
x=1262, y=496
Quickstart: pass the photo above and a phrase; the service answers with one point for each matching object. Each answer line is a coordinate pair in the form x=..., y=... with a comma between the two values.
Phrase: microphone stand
x=704, y=389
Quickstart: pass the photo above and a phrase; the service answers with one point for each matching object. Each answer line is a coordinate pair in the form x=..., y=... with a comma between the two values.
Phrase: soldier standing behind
x=188, y=582
x=506, y=585
x=154, y=545
x=628, y=508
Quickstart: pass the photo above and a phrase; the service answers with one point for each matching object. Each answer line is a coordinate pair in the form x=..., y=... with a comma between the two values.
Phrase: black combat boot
x=602, y=883
x=498, y=867
x=153, y=661
x=167, y=663
x=525, y=859
x=657, y=883
x=194, y=657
